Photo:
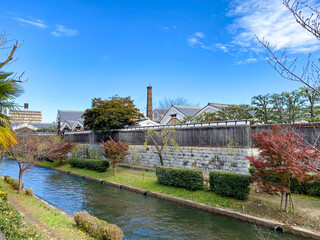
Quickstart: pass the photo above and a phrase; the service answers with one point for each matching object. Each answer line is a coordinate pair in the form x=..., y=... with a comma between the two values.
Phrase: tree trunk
x=20, y=188
x=87, y=153
x=115, y=170
x=281, y=201
x=286, y=203
x=161, y=159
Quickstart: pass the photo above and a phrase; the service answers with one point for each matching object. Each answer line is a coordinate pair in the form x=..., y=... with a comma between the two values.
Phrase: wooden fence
x=204, y=136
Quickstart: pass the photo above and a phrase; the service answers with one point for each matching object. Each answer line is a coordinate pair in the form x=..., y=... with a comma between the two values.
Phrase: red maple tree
x=283, y=157
x=115, y=152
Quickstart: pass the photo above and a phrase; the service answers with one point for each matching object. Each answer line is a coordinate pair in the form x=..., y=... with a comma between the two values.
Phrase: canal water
x=138, y=216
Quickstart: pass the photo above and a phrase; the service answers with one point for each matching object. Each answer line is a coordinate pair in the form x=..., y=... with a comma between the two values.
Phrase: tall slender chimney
x=149, y=102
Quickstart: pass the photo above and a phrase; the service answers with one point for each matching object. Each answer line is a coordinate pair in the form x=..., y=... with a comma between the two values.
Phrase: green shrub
x=13, y=182
x=3, y=194
x=92, y=164
x=230, y=184
x=252, y=171
x=29, y=191
x=98, y=229
x=178, y=177
x=312, y=189
x=12, y=226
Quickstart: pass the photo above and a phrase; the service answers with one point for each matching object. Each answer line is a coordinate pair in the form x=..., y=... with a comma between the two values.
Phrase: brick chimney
x=149, y=102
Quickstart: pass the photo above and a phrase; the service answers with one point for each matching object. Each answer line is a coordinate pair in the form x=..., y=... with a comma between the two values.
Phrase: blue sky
x=204, y=51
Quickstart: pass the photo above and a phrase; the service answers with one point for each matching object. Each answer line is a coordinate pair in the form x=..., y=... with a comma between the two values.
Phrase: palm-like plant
x=9, y=90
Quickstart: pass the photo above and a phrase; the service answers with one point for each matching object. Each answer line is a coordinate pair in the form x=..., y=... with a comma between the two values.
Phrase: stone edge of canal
x=237, y=215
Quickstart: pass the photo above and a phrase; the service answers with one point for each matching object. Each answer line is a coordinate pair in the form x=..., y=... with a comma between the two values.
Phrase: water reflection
x=139, y=217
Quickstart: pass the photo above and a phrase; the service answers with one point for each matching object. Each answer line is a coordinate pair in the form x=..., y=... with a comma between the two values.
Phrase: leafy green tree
x=278, y=107
x=312, y=97
x=235, y=112
x=294, y=104
x=287, y=107
x=203, y=117
x=114, y=113
x=263, y=110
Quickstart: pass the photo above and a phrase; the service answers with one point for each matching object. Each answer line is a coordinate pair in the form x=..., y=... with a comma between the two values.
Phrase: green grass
x=258, y=204
x=47, y=220
x=148, y=181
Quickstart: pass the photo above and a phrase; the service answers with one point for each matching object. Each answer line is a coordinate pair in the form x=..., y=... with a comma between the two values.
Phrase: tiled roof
x=219, y=105
x=70, y=115
x=187, y=110
x=160, y=111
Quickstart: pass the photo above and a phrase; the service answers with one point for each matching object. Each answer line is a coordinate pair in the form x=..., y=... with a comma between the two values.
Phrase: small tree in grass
x=115, y=152
x=55, y=149
x=31, y=149
x=161, y=139
x=282, y=158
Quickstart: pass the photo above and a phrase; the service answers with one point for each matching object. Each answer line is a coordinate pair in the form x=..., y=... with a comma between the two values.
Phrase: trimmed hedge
x=178, y=177
x=98, y=229
x=230, y=184
x=13, y=182
x=29, y=192
x=92, y=164
x=312, y=189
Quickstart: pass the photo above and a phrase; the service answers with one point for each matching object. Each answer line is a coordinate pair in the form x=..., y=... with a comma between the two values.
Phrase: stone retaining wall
x=207, y=159
x=201, y=158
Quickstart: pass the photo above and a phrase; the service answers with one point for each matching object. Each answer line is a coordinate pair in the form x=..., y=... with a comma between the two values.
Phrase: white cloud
x=199, y=35
x=64, y=31
x=246, y=61
x=165, y=28
x=37, y=22
x=222, y=47
x=270, y=20
x=198, y=40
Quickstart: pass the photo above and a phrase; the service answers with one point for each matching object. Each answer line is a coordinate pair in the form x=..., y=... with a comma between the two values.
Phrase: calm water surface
x=138, y=216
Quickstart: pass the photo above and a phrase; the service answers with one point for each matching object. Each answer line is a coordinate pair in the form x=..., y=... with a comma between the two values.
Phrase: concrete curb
x=226, y=212
x=69, y=215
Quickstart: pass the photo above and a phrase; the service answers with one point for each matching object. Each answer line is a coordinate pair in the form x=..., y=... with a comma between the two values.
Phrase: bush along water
x=230, y=184
x=13, y=182
x=91, y=164
x=98, y=229
x=177, y=177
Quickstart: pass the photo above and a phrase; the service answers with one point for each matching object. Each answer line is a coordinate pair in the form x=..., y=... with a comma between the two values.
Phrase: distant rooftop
x=66, y=115
x=219, y=105
x=187, y=110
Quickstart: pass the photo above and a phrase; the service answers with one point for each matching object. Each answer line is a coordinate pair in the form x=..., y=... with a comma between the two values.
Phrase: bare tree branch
x=10, y=57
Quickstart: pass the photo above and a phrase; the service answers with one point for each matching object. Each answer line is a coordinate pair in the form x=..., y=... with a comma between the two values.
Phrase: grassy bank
x=307, y=208
x=50, y=223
